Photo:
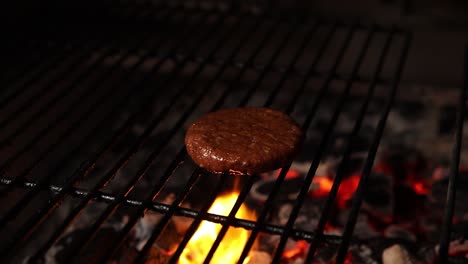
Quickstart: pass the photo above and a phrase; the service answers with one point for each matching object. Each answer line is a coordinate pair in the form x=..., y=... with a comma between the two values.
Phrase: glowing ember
x=349, y=258
x=290, y=174
x=420, y=188
x=298, y=251
x=347, y=188
x=324, y=186
x=233, y=242
x=346, y=191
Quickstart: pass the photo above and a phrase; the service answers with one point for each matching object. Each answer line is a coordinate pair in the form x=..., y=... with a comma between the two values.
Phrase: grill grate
x=90, y=94
x=454, y=173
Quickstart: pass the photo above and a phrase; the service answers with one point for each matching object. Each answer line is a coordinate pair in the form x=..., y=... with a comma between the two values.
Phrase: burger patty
x=244, y=140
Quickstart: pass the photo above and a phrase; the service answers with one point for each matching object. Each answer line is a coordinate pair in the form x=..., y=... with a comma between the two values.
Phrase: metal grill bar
x=245, y=191
x=182, y=211
x=293, y=62
x=157, y=150
x=181, y=197
x=63, y=116
x=181, y=155
x=41, y=92
x=150, y=243
x=262, y=75
x=454, y=169
x=347, y=152
x=63, y=93
x=108, y=176
x=230, y=219
x=281, y=69
x=33, y=221
x=141, y=206
x=56, y=99
x=65, y=113
x=312, y=68
x=124, y=158
x=321, y=148
x=76, y=62
x=55, y=61
x=114, y=201
x=93, y=131
x=43, y=68
x=213, y=195
x=359, y=194
x=20, y=205
x=181, y=121
x=99, y=100
x=38, y=66
x=193, y=227
x=271, y=197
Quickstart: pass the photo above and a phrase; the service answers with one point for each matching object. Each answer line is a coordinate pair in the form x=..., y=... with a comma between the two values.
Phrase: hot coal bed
x=94, y=168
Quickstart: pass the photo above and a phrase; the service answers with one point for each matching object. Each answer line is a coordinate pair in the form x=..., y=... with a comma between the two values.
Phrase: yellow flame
x=233, y=242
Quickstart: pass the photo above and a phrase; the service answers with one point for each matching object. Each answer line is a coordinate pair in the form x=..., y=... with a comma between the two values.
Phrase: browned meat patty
x=244, y=140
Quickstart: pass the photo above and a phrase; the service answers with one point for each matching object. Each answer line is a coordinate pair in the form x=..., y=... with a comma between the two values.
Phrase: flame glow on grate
x=233, y=242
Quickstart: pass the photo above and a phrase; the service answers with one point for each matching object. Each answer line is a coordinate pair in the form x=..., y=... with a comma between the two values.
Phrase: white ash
x=325, y=168
x=144, y=228
x=283, y=214
x=146, y=224
x=363, y=229
x=308, y=216
x=363, y=253
x=397, y=254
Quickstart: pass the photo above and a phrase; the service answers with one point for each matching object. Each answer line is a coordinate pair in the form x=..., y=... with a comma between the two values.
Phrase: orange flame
x=233, y=242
